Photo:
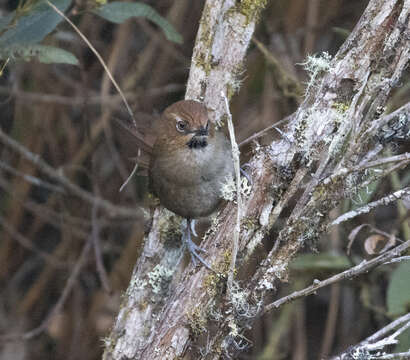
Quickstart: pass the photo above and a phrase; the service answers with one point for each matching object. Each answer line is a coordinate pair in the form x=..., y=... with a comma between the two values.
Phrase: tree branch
x=371, y=206
x=58, y=176
x=376, y=342
x=165, y=306
x=362, y=268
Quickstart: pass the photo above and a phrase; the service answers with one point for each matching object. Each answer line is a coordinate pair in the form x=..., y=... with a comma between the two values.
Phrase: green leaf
x=34, y=25
x=398, y=292
x=119, y=11
x=315, y=262
x=43, y=53
x=364, y=195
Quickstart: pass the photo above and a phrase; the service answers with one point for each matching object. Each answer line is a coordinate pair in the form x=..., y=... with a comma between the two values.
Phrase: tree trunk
x=321, y=159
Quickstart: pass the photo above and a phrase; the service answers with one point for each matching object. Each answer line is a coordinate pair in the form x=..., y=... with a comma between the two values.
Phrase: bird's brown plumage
x=189, y=162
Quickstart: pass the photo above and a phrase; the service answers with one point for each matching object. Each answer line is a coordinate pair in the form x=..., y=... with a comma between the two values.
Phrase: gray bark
x=172, y=312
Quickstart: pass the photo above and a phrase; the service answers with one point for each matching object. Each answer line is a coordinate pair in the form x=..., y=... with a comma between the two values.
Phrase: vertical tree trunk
x=332, y=136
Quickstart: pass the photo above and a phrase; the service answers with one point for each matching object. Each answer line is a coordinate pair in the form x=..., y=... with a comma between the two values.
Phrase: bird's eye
x=181, y=126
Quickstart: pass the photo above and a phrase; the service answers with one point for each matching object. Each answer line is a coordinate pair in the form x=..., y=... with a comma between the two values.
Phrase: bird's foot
x=194, y=251
x=193, y=248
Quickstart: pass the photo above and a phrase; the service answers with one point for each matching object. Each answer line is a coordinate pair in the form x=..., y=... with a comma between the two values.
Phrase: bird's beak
x=199, y=140
x=202, y=131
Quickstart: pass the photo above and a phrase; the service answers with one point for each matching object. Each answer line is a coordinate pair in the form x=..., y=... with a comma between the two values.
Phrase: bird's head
x=185, y=124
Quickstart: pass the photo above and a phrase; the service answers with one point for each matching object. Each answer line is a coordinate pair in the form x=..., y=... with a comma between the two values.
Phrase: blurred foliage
x=320, y=262
x=398, y=292
x=65, y=114
x=28, y=25
x=43, y=53
x=32, y=21
x=119, y=11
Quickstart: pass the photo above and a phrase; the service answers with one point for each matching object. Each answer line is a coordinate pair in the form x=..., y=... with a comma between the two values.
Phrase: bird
x=190, y=161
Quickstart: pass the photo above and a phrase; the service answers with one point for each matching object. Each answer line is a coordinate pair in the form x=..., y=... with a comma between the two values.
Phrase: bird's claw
x=193, y=251
x=193, y=248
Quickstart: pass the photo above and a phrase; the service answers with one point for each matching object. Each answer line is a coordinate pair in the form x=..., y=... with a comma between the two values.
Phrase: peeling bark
x=169, y=312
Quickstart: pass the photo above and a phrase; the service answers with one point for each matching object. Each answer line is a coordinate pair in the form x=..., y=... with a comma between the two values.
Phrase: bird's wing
x=135, y=143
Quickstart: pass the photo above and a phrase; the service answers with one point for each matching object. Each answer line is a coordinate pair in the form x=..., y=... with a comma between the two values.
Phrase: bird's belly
x=189, y=201
x=189, y=182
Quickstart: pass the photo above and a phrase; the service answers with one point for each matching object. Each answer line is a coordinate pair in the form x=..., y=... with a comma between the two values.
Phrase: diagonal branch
x=371, y=206
x=58, y=176
x=362, y=268
x=167, y=306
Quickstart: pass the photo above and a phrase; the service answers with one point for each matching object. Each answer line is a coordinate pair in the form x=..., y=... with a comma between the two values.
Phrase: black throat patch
x=197, y=143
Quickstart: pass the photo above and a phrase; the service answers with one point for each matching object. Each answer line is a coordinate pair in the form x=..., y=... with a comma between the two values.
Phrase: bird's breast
x=188, y=181
x=189, y=165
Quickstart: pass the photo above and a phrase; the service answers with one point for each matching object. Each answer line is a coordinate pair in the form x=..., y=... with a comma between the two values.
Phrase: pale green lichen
x=242, y=307
x=159, y=278
x=197, y=321
x=235, y=82
x=251, y=8
x=214, y=313
x=330, y=126
x=240, y=303
x=315, y=65
x=203, y=59
x=170, y=226
x=215, y=222
x=139, y=284
x=228, y=188
x=235, y=339
x=249, y=223
x=340, y=107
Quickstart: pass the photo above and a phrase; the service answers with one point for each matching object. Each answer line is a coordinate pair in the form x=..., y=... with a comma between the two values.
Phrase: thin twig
x=378, y=124
x=385, y=330
x=107, y=100
x=75, y=225
x=372, y=205
x=396, y=356
x=398, y=332
x=285, y=81
x=95, y=235
x=363, y=267
x=382, y=173
x=379, y=340
x=134, y=170
x=31, y=179
x=399, y=259
x=235, y=157
x=59, y=176
x=26, y=243
x=405, y=157
x=98, y=57
x=61, y=301
x=262, y=132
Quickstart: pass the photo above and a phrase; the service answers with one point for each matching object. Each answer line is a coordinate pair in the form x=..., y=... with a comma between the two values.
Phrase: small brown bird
x=190, y=160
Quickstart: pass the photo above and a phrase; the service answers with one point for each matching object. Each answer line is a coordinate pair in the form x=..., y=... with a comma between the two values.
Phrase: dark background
x=67, y=115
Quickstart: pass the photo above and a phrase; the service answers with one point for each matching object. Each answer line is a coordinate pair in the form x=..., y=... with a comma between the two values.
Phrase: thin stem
x=363, y=267
x=98, y=57
x=235, y=156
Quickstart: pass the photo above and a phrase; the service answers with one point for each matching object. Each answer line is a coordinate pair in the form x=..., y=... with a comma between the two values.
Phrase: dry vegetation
x=69, y=240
